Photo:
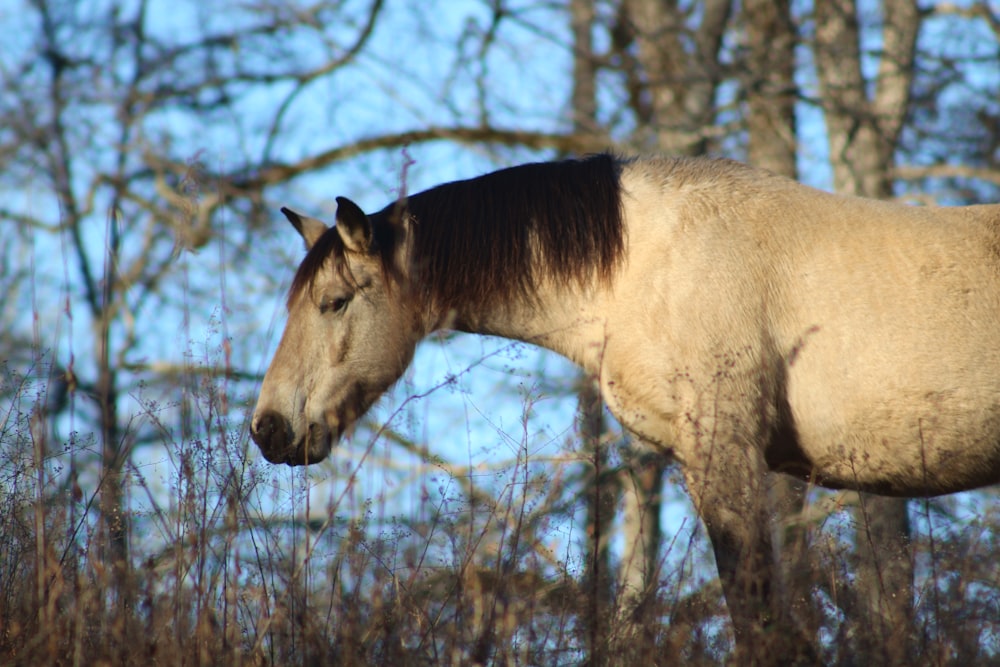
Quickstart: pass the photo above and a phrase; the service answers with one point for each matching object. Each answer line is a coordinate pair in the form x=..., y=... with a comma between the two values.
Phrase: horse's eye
x=333, y=305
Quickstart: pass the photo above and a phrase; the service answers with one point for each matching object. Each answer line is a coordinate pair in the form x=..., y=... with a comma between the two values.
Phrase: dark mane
x=488, y=238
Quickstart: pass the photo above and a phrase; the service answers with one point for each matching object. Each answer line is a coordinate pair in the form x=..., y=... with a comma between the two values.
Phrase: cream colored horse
x=736, y=318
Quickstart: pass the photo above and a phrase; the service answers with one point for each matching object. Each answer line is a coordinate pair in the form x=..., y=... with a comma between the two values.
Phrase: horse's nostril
x=273, y=434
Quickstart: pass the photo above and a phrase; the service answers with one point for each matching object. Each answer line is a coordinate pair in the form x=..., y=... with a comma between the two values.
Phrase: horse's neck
x=564, y=321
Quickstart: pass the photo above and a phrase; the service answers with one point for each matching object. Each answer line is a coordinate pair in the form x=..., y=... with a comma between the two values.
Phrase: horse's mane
x=489, y=238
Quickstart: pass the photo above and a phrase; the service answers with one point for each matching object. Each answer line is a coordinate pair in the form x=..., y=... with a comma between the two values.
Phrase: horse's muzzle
x=276, y=439
x=273, y=435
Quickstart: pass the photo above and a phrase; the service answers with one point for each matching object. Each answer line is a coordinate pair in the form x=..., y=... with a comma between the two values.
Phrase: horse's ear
x=310, y=228
x=353, y=226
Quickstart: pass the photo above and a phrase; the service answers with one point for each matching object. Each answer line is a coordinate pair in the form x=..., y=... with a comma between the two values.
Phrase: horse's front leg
x=726, y=480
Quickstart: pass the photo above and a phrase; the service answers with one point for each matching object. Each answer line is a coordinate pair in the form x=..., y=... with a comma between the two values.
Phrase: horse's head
x=350, y=335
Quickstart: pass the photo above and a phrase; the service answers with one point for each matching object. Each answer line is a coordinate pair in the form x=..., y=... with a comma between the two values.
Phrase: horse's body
x=739, y=319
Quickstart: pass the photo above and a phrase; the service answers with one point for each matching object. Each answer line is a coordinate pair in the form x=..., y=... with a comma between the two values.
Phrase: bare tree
x=863, y=130
x=772, y=143
x=671, y=90
x=674, y=72
x=131, y=194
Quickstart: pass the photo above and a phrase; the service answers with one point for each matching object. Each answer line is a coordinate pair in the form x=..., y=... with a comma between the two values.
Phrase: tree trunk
x=772, y=144
x=862, y=133
x=681, y=79
x=673, y=85
x=600, y=497
x=113, y=458
x=770, y=86
x=601, y=489
x=641, y=486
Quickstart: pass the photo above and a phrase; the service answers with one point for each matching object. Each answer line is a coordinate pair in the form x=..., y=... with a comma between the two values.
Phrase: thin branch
x=279, y=173
x=167, y=369
x=915, y=172
x=347, y=56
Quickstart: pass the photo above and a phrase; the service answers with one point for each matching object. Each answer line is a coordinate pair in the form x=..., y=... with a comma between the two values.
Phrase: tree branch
x=280, y=173
x=916, y=172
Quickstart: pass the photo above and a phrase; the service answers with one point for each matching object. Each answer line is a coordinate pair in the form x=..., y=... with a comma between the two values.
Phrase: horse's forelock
x=329, y=246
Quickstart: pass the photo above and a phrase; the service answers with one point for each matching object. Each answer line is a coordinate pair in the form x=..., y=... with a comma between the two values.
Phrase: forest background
x=488, y=511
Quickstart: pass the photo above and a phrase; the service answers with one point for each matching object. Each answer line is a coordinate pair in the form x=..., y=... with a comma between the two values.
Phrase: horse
x=738, y=320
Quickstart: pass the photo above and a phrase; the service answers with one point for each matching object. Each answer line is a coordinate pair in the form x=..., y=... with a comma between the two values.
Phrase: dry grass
x=222, y=573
